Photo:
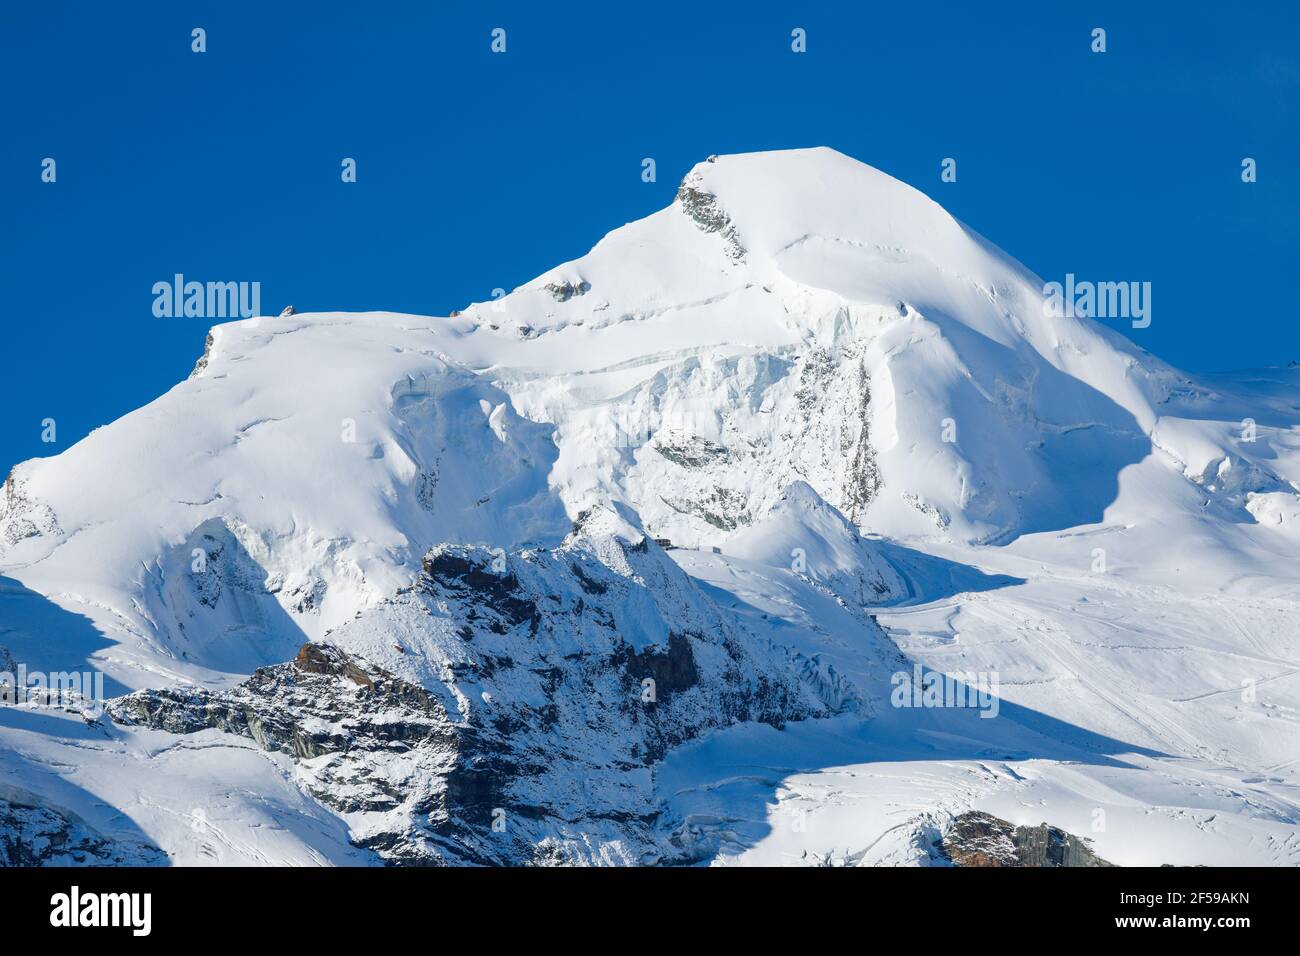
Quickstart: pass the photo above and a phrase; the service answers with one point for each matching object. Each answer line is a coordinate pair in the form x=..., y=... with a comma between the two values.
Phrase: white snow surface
x=802, y=363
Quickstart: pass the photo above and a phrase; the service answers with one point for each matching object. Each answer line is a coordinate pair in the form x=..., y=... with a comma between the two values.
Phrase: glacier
x=797, y=432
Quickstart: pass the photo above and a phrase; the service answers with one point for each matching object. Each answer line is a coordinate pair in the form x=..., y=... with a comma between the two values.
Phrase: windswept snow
x=844, y=409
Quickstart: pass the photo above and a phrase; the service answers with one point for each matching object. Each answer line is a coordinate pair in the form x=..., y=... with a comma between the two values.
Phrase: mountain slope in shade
x=863, y=406
x=548, y=687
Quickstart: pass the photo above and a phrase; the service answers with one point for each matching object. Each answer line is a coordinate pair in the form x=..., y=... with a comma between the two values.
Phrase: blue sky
x=478, y=171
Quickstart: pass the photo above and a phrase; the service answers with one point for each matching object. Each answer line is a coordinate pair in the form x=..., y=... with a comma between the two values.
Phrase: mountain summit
x=715, y=453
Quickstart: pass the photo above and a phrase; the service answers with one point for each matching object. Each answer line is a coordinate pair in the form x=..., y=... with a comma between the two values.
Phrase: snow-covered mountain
x=866, y=448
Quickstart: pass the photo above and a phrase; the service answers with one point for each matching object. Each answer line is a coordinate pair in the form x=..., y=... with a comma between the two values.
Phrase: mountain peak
x=776, y=198
x=799, y=349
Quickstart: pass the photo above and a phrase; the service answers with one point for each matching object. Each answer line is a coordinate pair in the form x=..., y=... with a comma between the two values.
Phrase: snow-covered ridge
x=867, y=343
x=542, y=687
x=797, y=351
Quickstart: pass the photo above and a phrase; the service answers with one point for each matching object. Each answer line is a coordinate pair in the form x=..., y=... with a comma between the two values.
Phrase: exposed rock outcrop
x=980, y=839
x=22, y=516
x=563, y=291
x=201, y=365
x=540, y=690
x=34, y=833
x=707, y=213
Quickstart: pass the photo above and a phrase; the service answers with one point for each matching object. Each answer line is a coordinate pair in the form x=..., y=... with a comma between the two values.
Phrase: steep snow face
x=791, y=317
x=298, y=477
x=819, y=545
x=555, y=680
x=797, y=351
x=800, y=316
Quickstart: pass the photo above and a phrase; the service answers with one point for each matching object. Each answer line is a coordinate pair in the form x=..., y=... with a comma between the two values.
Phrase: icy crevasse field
x=769, y=367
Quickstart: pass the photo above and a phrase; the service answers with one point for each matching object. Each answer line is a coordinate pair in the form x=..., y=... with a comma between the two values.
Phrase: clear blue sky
x=479, y=170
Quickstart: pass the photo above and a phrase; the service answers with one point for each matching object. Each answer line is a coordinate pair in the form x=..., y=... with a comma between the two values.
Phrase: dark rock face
x=672, y=671
x=690, y=451
x=707, y=213
x=33, y=833
x=492, y=598
x=720, y=507
x=564, y=291
x=202, y=363
x=979, y=839
x=536, y=692
x=323, y=659
x=374, y=743
x=865, y=480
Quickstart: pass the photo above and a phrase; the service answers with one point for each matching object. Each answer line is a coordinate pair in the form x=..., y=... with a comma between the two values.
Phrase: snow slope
x=797, y=350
